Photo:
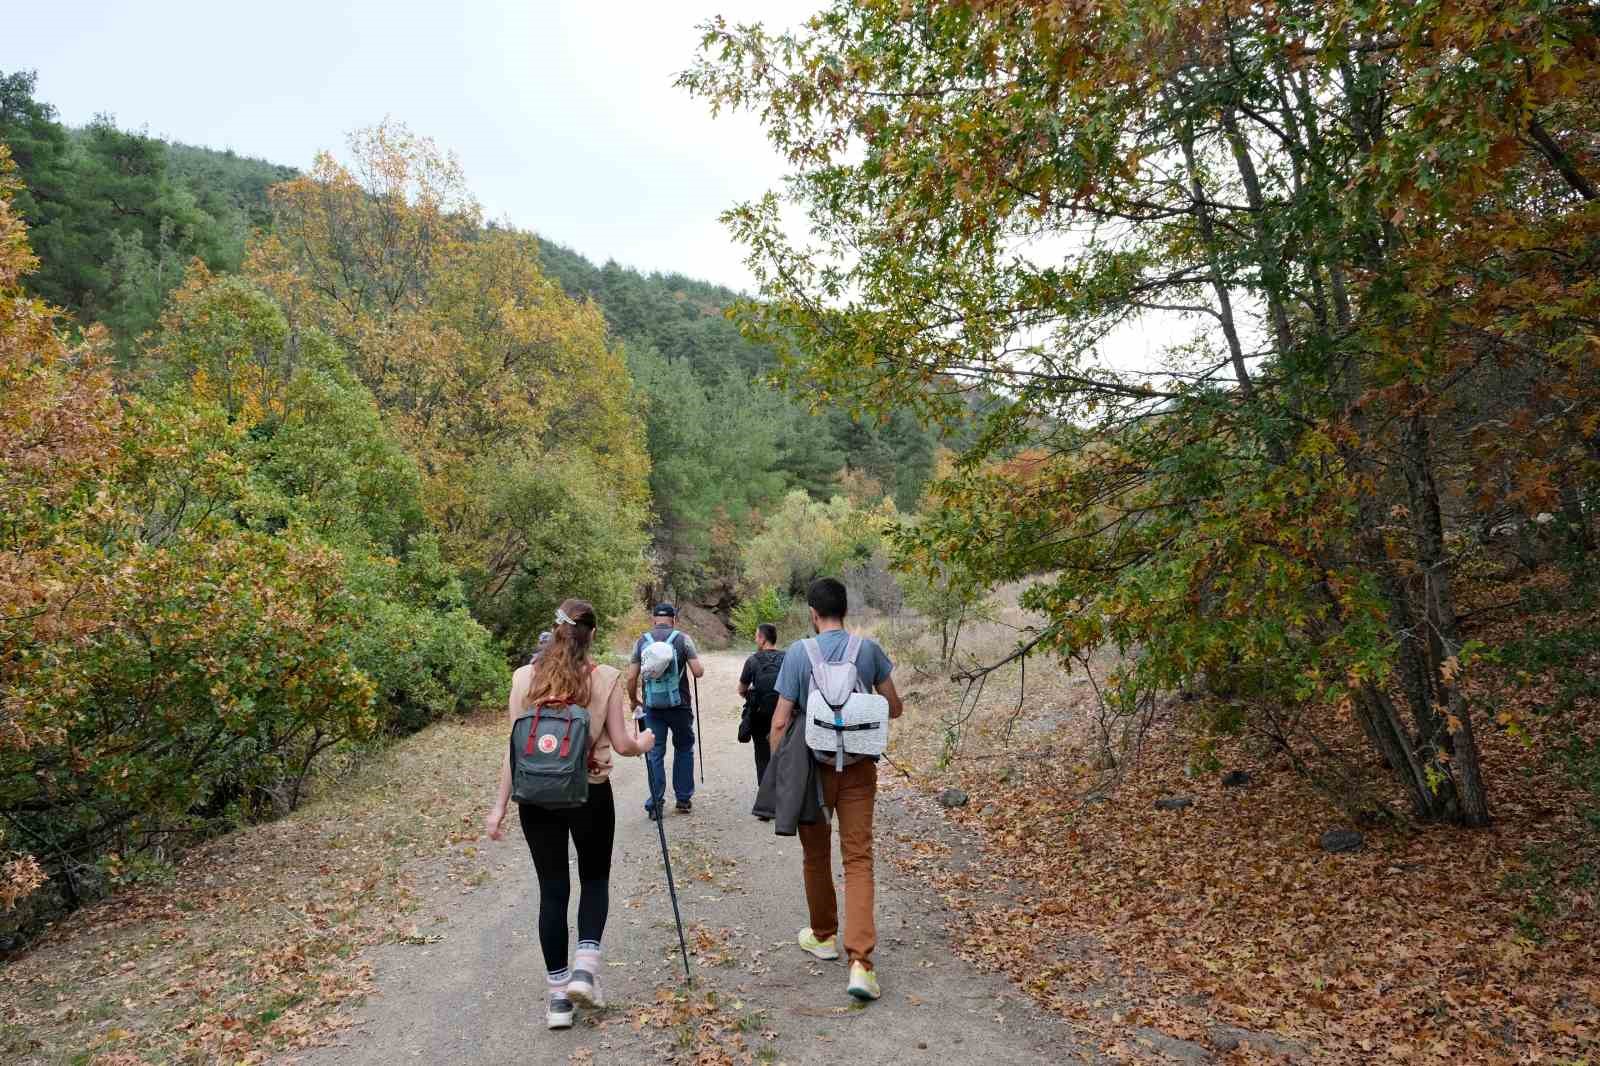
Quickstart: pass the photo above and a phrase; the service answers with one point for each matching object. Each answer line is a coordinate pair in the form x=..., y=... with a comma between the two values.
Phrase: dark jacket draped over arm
x=790, y=793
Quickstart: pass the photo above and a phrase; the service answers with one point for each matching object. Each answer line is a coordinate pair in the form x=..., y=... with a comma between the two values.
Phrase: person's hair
x=562, y=671
x=828, y=598
x=768, y=632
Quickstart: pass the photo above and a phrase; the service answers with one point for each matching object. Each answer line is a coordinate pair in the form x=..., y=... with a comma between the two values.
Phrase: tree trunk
x=1268, y=258
x=1454, y=734
x=1426, y=777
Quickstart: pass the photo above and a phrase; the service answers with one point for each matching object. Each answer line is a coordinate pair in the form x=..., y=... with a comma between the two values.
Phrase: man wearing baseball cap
x=667, y=708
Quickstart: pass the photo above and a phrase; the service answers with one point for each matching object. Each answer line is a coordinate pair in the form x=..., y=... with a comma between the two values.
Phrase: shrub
x=767, y=605
x=425, y=654
x=551, y=528
x=805, y=539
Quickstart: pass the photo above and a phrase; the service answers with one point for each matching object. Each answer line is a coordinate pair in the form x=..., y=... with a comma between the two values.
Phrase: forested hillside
x=115, y=216
x=308, y=457
x=722, y=444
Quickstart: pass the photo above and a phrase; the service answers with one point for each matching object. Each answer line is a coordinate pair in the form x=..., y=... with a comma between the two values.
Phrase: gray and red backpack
x=551, y=755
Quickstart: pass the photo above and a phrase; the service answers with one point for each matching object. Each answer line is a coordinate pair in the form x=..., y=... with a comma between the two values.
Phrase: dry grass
x=254, y=945
x=989, y=636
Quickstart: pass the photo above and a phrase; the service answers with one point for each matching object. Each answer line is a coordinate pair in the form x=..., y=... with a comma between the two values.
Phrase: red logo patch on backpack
x=547, y=744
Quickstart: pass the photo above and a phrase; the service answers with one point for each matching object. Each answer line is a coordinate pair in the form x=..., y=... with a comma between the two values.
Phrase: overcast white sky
x=563, y=113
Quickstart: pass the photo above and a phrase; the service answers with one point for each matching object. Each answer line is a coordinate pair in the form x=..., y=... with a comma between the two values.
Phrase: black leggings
x=592, y=828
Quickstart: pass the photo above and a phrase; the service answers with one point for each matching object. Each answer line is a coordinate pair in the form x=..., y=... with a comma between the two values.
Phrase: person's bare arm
x=744, y=688
x=624, y=741
x=497, y=812
x=633, y=684
x=780, y=721
x=695, y=668
x=887, y=690
x=502, y=796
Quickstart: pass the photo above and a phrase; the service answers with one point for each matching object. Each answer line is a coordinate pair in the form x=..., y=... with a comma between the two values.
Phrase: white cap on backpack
x=655, y=659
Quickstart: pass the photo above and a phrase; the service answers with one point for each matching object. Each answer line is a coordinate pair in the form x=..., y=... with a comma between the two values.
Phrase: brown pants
x=851, y=794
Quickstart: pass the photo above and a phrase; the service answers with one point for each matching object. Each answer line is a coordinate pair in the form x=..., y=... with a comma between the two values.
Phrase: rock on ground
x=953, y=797
x=1339, y=840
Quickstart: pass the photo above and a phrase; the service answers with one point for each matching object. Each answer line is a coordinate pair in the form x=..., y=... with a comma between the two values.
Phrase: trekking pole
x=699, y=742
x=897, y=766
x=672, y=890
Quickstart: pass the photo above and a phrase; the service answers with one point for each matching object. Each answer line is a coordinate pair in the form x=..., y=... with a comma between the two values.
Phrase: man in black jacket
x=758, y=684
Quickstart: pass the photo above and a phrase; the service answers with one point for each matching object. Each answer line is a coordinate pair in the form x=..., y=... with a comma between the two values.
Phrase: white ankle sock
x=588, y=958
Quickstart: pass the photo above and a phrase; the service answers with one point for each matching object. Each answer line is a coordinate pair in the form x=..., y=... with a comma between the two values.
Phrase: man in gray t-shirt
x=794, y=679
x=851, y=793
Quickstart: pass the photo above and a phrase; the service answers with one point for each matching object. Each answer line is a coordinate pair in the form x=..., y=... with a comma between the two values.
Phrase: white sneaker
x=584, y=989
x=826, y=950
x=863, y=983
x=558, y=1011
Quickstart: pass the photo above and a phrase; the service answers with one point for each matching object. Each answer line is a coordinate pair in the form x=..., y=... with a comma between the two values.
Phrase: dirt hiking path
x=476, y=995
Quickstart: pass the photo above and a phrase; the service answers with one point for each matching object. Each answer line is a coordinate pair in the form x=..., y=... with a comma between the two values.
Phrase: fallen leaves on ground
x=700, y=1028
x=254, y=947
x=1226, y=926
x=710, y=947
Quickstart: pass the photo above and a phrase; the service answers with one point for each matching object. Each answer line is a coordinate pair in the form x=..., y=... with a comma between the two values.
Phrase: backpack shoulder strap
x=813, y=652
x=852, y=648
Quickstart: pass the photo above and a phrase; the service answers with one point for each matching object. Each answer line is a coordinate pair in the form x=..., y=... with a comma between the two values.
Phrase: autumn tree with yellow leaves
x=505, y=389
x=161, y=661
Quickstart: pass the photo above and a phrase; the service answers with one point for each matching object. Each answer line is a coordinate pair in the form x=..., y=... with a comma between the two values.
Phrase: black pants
x=591, y=828
x=760, y=726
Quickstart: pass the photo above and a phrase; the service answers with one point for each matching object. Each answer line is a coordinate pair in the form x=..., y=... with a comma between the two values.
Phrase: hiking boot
x=685, y=806
x=863, y=983
x=827, y=950
x=584, y=988
x=652, y=811
x=558, y=1011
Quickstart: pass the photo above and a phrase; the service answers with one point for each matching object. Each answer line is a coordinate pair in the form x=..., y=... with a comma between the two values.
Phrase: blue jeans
x=680, y=721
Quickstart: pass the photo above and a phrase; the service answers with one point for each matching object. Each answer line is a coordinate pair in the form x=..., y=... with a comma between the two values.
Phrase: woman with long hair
x=563, y=672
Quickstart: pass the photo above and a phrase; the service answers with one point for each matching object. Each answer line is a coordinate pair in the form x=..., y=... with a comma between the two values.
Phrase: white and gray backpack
x=842, y=717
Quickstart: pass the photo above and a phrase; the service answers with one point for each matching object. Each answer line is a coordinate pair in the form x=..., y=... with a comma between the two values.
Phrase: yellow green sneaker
x=823, y=949
x=863, y=983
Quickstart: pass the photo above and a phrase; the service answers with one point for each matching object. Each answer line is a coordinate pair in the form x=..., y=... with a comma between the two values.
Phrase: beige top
x=604, y=690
